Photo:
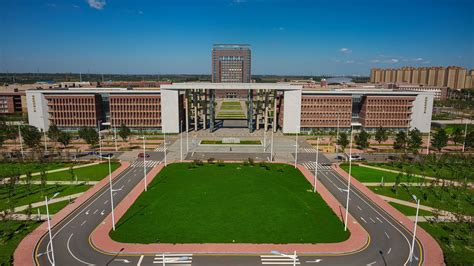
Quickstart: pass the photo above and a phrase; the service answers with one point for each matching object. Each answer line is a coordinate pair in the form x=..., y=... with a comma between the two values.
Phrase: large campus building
x=193, y=106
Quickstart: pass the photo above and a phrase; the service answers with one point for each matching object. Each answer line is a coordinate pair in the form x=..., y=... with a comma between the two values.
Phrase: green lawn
x=230, y=110
x=11, y=233
x=53, y=208
x=409, y=211
x=21, y=168
x=456, y=240
x=364, y=174
x=89, y=173
x=227, y=204
x=22, y=197
x=449, y=199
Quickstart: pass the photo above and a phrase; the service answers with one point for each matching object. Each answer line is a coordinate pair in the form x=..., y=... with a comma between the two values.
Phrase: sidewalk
x=433, y=255
x=24, y=252
x=101, y=240
x=401, y=172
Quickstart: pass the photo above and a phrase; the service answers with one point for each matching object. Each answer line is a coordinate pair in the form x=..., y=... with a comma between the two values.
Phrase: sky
x=287, y=37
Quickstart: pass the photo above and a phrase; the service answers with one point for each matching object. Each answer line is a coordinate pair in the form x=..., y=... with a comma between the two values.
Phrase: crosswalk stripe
x=150, y=163
x=312, y=166
x=310, y=150
x=160, y=148
x=183, y=259
x=277, y=260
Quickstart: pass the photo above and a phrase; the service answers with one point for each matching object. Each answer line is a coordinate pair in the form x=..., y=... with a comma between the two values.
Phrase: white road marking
x=372, y=263
x=70, y=252
x=87, y=212
x=373, y=221
x=122, y=260
x=96, y=211
x=363, y=219
x=85, y=221
x=389, y=250
x=105, y=202
x=140, y=261
x=358, y=207
x=102, y=213
x=128, y=181
x=314, y=261
x=379, y=219
x=387, y=235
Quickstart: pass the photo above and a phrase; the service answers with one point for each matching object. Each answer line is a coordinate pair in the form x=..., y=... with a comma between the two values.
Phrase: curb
x=24, y=253
x=101, y=241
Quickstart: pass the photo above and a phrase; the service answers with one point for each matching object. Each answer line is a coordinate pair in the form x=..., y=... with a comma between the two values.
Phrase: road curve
x=389, y=239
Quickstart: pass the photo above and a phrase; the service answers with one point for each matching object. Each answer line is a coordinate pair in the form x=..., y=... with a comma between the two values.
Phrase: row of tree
x=410, y=142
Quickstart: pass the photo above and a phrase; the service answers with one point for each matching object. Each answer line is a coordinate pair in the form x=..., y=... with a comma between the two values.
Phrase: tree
x=28, y=181
x=64, y=138
x=440, y=139
x=343, y=141
x=53, y=133
x=457, y=136
x=89, y=135
x=31, y=136
x=43, y=178
x=415, y=140
x=71, y=173
x=124, y=132
x=381, y=135
x=10, y=132
x=470, y=140
x=362, y=139
x=400, y=141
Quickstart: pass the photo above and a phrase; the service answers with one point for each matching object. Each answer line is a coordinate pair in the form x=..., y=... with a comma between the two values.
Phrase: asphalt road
x=389, y=240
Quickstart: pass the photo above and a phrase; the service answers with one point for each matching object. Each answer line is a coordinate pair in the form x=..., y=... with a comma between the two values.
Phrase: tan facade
x=326, y=111
x=74, y=110
x=390, y=112
x=135, y=110
x=452, y=77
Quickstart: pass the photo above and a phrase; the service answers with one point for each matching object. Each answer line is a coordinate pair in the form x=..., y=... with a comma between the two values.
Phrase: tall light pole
x=465, y=136
x=271, y=148
x=429, y=141
x=316, y=169
x=144, y=162
x=348, y=182
x=264, y=140
x=337, y=138
x=111, y=196
x=296, y=149
x=115, y=137
x=100, y=140
x=187, y=139
x=21, y=143
x=414, y=228
x=181, y=141
x=164, y=141
x=44, y=137
x=49, y=225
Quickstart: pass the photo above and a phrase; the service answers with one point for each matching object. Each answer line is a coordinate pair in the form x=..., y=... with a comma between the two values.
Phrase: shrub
x=251, y=161
x=220, y=162
x=280, y=169
x=198, y=162
x=245, y=163
x=210, y=161
x=264, y=165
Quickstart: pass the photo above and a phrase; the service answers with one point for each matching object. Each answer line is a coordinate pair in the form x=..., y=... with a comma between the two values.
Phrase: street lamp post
x=414, y=228
x=429, y=141
x=115, y=137
x=44, y=137
x=316, y=169
x=111, y=196
x=181, y=141
x=271, y=148
x=164, y=141
x=348, y=182
x=49, y=225
x=100, y=140
x=337, y=138
x=465, y=136
x=21, y=143
x=144, y=162
x=296, y=149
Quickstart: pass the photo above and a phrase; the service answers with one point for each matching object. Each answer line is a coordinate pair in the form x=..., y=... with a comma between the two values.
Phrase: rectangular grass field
x=229, y=204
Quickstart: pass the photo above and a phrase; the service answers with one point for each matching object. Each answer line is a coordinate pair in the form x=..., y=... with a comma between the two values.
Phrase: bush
x=264, y=165
x=210, y=161
x=280, y=169
x=220, y=162
x=245, y=163
x=251, y=161
x=198, y=162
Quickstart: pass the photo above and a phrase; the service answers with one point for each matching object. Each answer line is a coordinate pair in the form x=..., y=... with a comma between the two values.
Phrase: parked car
x=141, y=155
x=107, y=155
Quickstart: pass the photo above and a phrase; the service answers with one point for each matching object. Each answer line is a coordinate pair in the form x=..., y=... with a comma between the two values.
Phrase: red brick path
x=101, y=240
x=433, y=255
x=24, y=252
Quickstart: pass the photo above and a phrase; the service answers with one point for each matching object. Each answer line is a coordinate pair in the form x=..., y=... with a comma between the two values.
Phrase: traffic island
x=228, y=208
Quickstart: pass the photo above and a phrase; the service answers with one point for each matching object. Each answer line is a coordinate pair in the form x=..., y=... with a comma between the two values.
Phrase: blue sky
x=287, y=37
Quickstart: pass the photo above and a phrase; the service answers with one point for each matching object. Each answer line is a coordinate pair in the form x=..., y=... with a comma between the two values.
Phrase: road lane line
x=373, y=221
x=358, y=207
x=140, y=261
x=95, y=211
x=389, y=250
x=83, y=222
x=387, y=235
x=69, y=249
x=372, y=263
x=379, y=219
x=363, y=219
x=105, y=202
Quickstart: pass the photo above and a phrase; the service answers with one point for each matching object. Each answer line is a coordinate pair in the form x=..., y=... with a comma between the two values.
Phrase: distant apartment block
x=440, y=93
x=452, y=77
x=12, y=102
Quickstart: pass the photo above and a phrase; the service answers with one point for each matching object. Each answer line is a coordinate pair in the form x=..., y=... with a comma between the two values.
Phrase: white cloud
x=350, y=62
x=393, y=60
x=97, y=4
x=140, y=12
x=374, y=61
x=345, y=50
x=418, y=59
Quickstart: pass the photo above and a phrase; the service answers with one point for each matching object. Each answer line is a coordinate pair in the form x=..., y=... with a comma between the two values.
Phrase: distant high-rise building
x=452, y=77
x=231, y=63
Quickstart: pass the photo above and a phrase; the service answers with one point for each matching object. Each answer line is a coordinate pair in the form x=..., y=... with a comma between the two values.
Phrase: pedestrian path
x=139, y=163
x=278, y=260
x=312, y=166
x=179, y=259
